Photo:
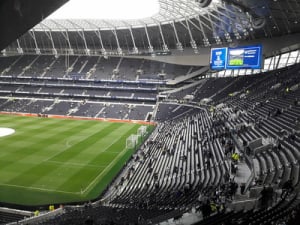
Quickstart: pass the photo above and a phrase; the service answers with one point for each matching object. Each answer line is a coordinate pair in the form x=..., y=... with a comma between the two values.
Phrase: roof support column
x=165, y=47
x=192, y=42
x=49, y=35
x=287, y=60
x=81, y=34
x=178, y=44
x=103, y=51
x=205, y=39
x=274, y=61
x=37, y=49
x=19, y=49
x=228, y=12
x=135, y=49
x=66, y=36
x=277, y=63
x=298, y=57
x=119, y=50
x=269, y=66
x=150, y=47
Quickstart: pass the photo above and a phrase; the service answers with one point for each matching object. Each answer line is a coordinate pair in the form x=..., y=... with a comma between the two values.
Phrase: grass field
x=49, y=161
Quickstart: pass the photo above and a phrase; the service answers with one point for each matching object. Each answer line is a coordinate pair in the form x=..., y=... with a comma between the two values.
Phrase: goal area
x=133, y=140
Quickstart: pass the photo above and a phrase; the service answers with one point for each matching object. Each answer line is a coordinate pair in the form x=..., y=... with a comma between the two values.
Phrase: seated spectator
x=287, y=188
x=277, y=112
x=264, y=198
x=242, y=188
x=292, y=136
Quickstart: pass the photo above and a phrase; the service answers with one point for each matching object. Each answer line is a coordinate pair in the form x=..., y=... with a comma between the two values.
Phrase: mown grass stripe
x=104, y=144
x=119, y=144
x=33, y=146
x=77, y=148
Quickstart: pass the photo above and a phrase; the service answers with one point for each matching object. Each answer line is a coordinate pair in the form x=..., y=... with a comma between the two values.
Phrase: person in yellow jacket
x=213, y=207
x=287, y=90
x=36, y=213
x=51, y=207
x=235, y=157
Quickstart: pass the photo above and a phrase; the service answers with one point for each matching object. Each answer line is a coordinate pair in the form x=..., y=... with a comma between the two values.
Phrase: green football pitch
x=48, y=161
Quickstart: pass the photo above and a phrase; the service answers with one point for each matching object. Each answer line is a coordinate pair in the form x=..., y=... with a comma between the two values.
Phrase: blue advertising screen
x=244, y=57
x=248, y=57
x=218, y=58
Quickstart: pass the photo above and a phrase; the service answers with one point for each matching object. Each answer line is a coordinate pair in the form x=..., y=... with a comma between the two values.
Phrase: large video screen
x=247, y=57
x=218, y=58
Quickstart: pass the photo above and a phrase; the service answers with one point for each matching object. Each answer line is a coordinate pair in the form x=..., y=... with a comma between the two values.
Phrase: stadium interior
x=226, y=144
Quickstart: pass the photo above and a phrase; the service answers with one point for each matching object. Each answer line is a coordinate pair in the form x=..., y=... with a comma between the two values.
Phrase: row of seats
x=173, y=166
x=8, y=217
x=113, y=68
x=77, y=108
x=277, y=214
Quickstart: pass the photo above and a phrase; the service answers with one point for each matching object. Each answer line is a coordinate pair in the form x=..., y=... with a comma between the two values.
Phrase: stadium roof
x=177, y=25
x=169, y=11
x=225, y=19
x=107, y=9
x=239, y=14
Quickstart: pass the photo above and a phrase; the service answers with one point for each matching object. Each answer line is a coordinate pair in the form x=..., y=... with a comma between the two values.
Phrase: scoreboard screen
x=218, y=58
x=247, y=57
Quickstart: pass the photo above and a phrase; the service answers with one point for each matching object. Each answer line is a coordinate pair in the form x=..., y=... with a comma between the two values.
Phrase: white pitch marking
x=74, y=164
x=108, y=167
x=39, y=189
x=6, y=131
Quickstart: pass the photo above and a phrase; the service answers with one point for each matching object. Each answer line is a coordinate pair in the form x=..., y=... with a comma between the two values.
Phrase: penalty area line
x=38, y=189
x=105, y=170
x=112, y=163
